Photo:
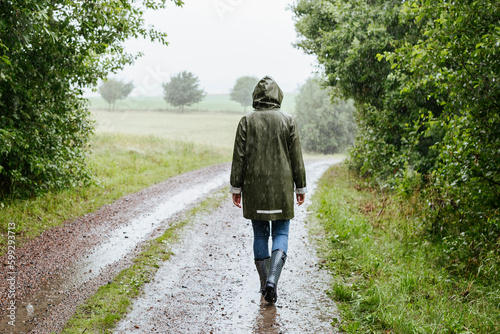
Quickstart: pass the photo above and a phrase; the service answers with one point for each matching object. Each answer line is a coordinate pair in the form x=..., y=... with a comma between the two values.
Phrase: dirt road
x=211, y=285
x=64, y=266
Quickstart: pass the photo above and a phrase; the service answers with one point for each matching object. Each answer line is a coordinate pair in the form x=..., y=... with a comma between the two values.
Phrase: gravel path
x=211, y=285
x=64, y=266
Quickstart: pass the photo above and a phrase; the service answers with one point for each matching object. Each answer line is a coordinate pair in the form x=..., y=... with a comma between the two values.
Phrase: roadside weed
x=387, y=277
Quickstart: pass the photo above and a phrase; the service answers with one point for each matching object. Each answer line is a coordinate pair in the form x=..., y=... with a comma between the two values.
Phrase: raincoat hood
x=267, y=94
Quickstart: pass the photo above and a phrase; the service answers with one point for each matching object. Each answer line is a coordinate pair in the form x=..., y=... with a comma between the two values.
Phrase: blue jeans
x=261, y=235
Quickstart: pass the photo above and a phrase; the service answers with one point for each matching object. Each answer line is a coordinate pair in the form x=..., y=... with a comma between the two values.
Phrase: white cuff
x=300, y=191
x=235, y=190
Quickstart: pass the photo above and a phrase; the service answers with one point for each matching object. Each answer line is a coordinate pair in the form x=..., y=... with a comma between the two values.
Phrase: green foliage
x=458, y=60
x=49, y=52
x=243, y=89
x=325, y=127
x=424, y=77
x=182, y=90
x=112, y=90
x=346, y=36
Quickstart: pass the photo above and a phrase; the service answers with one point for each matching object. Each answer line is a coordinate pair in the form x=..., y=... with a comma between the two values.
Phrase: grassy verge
x=386, y=279
x=122, y=164
x=111, y=302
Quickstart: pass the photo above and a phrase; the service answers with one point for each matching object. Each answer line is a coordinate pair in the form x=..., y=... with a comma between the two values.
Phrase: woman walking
x=267, y=166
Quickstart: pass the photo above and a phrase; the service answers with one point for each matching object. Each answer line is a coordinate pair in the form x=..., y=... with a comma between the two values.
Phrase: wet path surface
x=63, y=267
x=210, y=285
x=124, y=239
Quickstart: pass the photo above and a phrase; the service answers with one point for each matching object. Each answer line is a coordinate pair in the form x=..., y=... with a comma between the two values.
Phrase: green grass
x=212, y=102
x=101, y=312
x=386, y=279
x=121, y=164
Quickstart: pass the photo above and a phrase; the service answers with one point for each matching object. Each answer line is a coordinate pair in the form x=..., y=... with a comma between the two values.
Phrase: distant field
x=214, y=102
x=211, y=122
x=216, y=129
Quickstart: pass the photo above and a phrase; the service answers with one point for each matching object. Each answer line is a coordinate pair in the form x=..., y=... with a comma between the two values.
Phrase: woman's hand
x=237, y=200
x=301, y=198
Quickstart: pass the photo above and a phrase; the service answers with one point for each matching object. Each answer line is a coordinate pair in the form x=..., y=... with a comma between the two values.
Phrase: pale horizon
x=219, y=41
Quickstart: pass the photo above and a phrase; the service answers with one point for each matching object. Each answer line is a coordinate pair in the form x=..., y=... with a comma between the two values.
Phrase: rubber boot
x=278, y=258
x=262, y=268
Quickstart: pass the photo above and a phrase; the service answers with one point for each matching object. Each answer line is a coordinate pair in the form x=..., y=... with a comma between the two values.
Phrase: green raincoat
x=267, y=157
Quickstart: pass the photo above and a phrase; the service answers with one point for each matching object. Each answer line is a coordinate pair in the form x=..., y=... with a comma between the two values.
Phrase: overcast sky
x=219, y=41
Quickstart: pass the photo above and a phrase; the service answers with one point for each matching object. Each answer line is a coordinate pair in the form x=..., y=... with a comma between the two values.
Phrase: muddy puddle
x=210, y=285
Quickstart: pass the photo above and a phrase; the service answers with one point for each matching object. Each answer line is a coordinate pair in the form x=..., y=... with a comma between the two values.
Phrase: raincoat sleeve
x=298, y=169
x=239, y=161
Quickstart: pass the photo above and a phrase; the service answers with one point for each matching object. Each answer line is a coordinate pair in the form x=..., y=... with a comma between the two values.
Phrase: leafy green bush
x=346, y=36
x=388, y=276
x=457, y=61
x=43, y=145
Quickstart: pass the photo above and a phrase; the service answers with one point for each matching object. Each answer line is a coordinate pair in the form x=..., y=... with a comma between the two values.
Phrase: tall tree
x=325, y=127
x=112, y=90
x=50, y=50
x=243, y=89
x=182, y=90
